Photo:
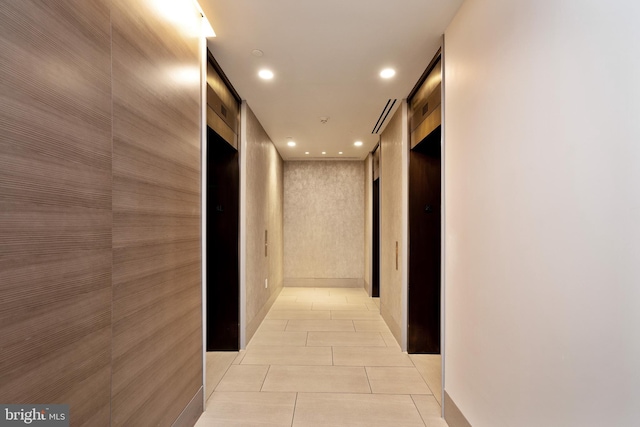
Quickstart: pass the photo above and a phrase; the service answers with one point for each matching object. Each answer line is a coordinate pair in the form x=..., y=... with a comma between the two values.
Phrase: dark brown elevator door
x=375, y=265
x=223, y=292
x=424, y=245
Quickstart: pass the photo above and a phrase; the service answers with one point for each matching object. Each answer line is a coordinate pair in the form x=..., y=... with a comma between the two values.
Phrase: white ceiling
x=326, y=56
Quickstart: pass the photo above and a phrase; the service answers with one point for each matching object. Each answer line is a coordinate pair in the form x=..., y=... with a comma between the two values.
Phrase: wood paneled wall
x=157, y=317
x=100, y=291
x=55, y=206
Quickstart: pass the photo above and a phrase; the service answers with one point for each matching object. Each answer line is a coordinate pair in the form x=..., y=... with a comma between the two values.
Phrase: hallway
x=323, y=357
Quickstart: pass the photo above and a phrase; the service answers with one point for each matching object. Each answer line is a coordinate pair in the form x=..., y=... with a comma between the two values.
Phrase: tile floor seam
x=221, y=378
x=420, y=413
x=422, y=376
x=383, y=340
x=295, y=403
x=425, y=381
x=265, y=378
x=368, y=381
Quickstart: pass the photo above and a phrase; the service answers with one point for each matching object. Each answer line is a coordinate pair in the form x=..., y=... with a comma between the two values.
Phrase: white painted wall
x=543, y=212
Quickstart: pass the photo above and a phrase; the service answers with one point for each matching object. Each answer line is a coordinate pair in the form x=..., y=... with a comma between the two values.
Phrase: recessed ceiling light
x=339, y=152
x=306, y=152
x=266, y=74
x=324, y=152
x=358, y=143
x=387, y=73
x=291, y=143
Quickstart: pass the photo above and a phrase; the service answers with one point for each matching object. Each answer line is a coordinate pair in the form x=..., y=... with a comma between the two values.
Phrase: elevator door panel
x=223, y=304
x=375, y=265
x=424, y=246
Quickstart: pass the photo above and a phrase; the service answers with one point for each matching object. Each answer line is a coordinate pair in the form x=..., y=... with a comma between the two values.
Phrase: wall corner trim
x=452, y=414
x=191, y=413
x=255, y=323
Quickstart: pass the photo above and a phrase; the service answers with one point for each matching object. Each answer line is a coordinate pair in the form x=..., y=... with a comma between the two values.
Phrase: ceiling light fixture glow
x=358, y=143
x=387, y=73
x=306, y=152
x=265, y=74
x=324, y=152
x=291, y=144
x=339, y=152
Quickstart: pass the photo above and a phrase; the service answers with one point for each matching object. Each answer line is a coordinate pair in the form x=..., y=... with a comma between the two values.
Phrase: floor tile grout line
x=421, y=375
x=419, y=413
x=295, y=404
x=265, y=378
x=368, y=380
x=221, y=378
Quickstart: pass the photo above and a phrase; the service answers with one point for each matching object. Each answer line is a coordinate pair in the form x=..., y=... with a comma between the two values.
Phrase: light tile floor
x=323, y=357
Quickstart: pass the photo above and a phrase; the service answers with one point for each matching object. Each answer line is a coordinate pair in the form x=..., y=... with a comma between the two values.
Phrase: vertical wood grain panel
x=157, y=319
x=55, y=206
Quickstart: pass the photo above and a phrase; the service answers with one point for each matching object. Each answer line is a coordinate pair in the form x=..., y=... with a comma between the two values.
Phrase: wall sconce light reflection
x=185, y=75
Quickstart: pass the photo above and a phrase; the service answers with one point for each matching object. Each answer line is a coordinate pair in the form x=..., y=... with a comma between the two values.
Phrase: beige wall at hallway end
x=323, y=220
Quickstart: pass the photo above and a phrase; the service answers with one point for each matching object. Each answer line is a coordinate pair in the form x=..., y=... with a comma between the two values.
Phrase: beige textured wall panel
x=157, y=320
x=391, y=220
x=324, y=219
x=264, y=189
x=55, y=206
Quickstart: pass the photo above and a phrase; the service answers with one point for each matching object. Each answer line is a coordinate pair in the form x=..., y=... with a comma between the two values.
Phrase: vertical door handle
x=396, y=254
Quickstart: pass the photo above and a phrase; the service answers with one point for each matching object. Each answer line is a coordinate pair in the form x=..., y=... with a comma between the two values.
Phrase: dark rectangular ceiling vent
x=383, y=116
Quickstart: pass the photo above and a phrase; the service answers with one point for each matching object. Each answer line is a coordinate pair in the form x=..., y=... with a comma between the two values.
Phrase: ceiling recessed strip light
x=265, y=74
